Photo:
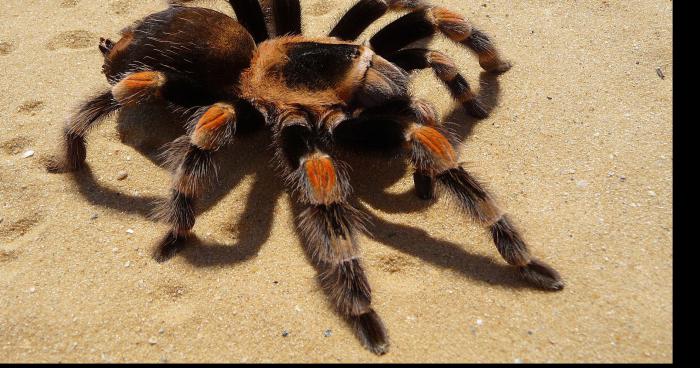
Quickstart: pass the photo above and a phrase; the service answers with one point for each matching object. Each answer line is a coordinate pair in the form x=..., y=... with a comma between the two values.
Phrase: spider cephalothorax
x=223, y=73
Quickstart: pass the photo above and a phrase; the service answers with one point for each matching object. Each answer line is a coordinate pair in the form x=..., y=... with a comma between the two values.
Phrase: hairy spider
x=225, y=73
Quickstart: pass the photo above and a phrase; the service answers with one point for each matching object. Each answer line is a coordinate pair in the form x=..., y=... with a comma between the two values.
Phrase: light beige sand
x=578, y=150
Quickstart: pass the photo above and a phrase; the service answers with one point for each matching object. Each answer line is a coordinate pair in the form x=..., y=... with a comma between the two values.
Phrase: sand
x=578, y=149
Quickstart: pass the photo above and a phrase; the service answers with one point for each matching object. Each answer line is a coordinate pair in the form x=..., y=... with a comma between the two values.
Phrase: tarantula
x=227, y=73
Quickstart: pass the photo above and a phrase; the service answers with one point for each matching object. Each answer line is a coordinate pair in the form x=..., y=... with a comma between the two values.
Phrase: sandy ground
x=578, y=150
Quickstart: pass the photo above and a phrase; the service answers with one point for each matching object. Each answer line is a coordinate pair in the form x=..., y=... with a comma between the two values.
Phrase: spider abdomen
x=201, y=45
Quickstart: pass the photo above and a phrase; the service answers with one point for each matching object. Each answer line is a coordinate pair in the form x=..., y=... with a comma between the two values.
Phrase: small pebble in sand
x=122, y=175
x=518, y=361
x=660, y=73
x=161, y=331
x=115, y=249
x=129, y=231
x=28, y=154
x=285, y=333
x=152, y=341
x=327, y=333
x=479, y=322
x=652, y=193
x=127, y=264
x=623, y=178
x=32, y=290
x=94, y=216
x=582, y=183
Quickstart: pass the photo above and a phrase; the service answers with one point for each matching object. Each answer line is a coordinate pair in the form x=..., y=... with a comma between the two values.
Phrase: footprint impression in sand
x=69, y=3
x=15, y=145
x=73, y=40
x=10, y=231
x=6, y=48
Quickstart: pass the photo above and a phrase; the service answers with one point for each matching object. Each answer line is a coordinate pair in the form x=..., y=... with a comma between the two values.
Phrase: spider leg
x=287, y=17
x=364, y=13
x=358, y=18
x=133, y=89
x=432, y=153
x=415, y=123
x=191, y=159
x=414, y=111
x=425, y=22
x=329, y=225
x=249, y=13
x=90, y=113
x=446, y=70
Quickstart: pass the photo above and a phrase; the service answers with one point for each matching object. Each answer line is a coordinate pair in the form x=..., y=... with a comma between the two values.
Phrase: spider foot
x=498, y=67
x=169, y=246
x=371, y=331
x=55, y=165
x=542, y=275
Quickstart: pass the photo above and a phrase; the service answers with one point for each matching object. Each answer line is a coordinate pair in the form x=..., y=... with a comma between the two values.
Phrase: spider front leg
x=433, y=155
x=190, y=158
x=330, y=225
x=133, y=89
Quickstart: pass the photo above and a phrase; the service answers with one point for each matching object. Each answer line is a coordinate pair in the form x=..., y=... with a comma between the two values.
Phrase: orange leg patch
x=322, y=179
x=452, y=24
x=437, y=144
x=211, y=124
x=138, y=86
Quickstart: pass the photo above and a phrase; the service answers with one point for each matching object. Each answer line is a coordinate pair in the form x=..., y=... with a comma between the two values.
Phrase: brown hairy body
x=221, y=72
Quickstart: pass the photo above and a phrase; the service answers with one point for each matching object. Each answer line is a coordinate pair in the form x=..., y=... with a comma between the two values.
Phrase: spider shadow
x=376, y=170
x=460, y=125
x=253, y=227
x=147, y=128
